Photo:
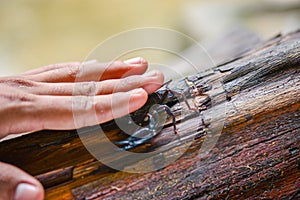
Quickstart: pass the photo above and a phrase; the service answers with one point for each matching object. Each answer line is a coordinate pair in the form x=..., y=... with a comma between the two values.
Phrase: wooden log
x=258, y=151
x=254, y=101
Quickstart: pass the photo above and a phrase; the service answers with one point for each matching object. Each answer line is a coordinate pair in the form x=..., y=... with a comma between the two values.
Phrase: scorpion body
x=149, y=117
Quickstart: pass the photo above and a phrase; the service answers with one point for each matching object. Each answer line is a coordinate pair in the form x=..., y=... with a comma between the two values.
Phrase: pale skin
x=43, y=98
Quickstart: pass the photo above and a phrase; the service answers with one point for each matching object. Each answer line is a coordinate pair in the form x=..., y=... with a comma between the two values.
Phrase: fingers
x=42, y=99
x=150, y=82
x=80, y=111
x=18, y=185
x=89, y=71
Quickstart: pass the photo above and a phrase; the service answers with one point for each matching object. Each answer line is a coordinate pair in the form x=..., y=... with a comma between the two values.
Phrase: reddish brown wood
x=257, y=154
x=56, y=177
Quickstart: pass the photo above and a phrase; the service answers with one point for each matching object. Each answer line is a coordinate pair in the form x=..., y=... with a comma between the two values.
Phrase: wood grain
x=246, y=144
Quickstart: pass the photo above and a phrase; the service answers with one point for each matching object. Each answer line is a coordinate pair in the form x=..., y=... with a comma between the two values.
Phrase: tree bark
x=245, y=142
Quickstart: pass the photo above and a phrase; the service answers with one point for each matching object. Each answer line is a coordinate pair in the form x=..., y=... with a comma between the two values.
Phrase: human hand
x=43, y=99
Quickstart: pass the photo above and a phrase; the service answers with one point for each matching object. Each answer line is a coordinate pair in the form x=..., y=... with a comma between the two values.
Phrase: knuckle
x=91, y=88
x=17, y=97
x=86, y=88
x=24, y=97
x=75, y=71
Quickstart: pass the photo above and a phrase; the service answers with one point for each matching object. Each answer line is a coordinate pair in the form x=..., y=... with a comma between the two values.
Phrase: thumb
x=15, y=184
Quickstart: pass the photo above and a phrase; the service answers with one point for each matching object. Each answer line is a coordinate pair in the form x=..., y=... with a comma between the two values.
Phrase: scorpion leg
x=167, y=83
x=169, y=112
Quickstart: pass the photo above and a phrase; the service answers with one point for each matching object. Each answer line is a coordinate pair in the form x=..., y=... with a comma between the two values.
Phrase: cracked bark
x=255, y=100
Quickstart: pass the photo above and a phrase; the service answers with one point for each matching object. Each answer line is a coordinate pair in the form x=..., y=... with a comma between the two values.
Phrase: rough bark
x=255, y=98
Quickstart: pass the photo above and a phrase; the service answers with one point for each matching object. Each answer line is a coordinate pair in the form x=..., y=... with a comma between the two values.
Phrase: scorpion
x=163, y=99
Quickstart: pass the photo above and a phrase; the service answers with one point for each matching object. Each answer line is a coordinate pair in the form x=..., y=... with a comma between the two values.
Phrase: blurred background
x=35, y=33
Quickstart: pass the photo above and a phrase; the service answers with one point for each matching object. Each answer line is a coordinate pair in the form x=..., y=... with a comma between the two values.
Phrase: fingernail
x=25, y=191
x=137, y=60
x=150, y=74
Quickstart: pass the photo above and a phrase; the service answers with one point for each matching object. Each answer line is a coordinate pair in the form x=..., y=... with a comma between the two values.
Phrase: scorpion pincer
x=143, y=134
